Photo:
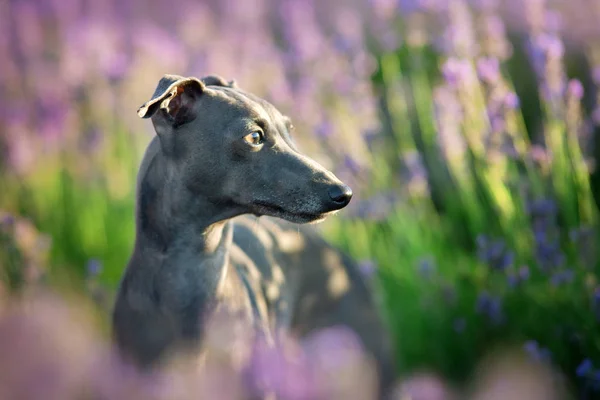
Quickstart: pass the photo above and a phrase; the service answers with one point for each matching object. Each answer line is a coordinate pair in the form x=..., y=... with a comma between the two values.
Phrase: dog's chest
x=247, y=288
x=265, y=268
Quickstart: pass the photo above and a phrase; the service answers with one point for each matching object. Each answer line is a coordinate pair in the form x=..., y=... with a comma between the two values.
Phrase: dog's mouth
x=262, y=208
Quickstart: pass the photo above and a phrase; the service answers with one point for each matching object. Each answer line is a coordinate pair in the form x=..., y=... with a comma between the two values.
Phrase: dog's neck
x=187, y=233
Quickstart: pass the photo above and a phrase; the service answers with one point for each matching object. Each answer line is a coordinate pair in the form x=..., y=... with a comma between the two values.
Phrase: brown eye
x=255, y=138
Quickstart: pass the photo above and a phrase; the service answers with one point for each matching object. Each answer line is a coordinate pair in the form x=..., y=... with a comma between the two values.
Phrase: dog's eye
x=255, y=138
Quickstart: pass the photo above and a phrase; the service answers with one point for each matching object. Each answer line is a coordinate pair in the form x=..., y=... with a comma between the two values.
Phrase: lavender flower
x=457, y=72
x=536, y=352
x=494, y=41
x=546, y=51
x=494, y=253
x=542, y=208
x=324, y=130
x=426, y=267
x=585, y=368
x=575, y=89
x=367, y=267
x=424, y=386
x=376, y=208
x=93, y=267
x=519, y=277
x=283, y=370
x=450, y=140
x=562, y=277
x=414, y=174
x=7, y=220
x=548, y=254
x=596, y=74
x=554, y=21
x=511, y=101
x=513, y=280
x=351, y=164
x=488, y=70
x=491, y=306
x=596, y=302
x=589, y=374
x=459, y=35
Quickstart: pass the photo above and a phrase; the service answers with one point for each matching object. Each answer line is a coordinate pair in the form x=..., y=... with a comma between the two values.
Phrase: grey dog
x=222, y=158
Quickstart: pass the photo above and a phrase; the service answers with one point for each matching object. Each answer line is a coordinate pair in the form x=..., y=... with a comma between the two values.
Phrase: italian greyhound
x=222, y=158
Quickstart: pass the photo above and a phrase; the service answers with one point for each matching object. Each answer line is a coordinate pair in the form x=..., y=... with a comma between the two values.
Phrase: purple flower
x=342, y=44
x=595, y=380
x=596, y=74
x=91, y=140
x=575, y=89
x=511, y=101
x=512, y=279
x=524, y=272
x=494, y=253
x=7, y=220
x=542, y=208
x=596, y=302
x=351, y=164
x=272, y=370
x=488, y=69
x=457, y=72
x=546, y=51
x=426, y=267
x=551, y=45
x=324, y=129
x=549, y=254
x=370, y=137
x=367, y=268
x=578, y=234
x=498, y=123
x=409, y=6
x=116, y=67
x=333, y=352
x=562, y=277
x=518, y=277
x=376, y=208
x=495, y=27
x=389, y=40
x=553, y=21
x=491, y=306
x=585, y=368
x=332, y=347
x=536, y=352
x=414, y=172
x=539, y=154
x=53, y=112
x=93, y=267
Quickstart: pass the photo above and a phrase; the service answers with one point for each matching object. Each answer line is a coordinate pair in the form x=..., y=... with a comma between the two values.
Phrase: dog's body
x=221, y=153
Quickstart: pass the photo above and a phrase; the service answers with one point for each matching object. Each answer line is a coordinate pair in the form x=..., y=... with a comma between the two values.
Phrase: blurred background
x=465, y=127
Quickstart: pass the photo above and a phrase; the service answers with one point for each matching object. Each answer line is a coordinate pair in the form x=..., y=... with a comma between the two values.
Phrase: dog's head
x=235, y=149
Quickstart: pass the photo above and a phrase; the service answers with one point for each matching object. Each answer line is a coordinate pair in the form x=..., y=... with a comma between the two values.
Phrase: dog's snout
x=340, y=195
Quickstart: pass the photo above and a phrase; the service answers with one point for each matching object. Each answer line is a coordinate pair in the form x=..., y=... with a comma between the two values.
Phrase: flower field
x=466, y=129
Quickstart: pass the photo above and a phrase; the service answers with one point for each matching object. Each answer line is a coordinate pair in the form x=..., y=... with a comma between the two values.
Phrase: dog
x=224, y=206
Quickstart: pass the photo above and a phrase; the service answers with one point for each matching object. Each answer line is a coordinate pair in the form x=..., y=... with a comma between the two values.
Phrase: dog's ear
x=216, y=80
x=173, y=99
x=172, y=105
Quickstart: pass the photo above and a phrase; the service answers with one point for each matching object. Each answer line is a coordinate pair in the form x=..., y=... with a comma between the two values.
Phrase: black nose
x=340, y=195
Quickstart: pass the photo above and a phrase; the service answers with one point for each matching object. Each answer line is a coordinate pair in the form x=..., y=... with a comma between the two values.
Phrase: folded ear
x=171, y=105
x=173, y=98
x=216, y=80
